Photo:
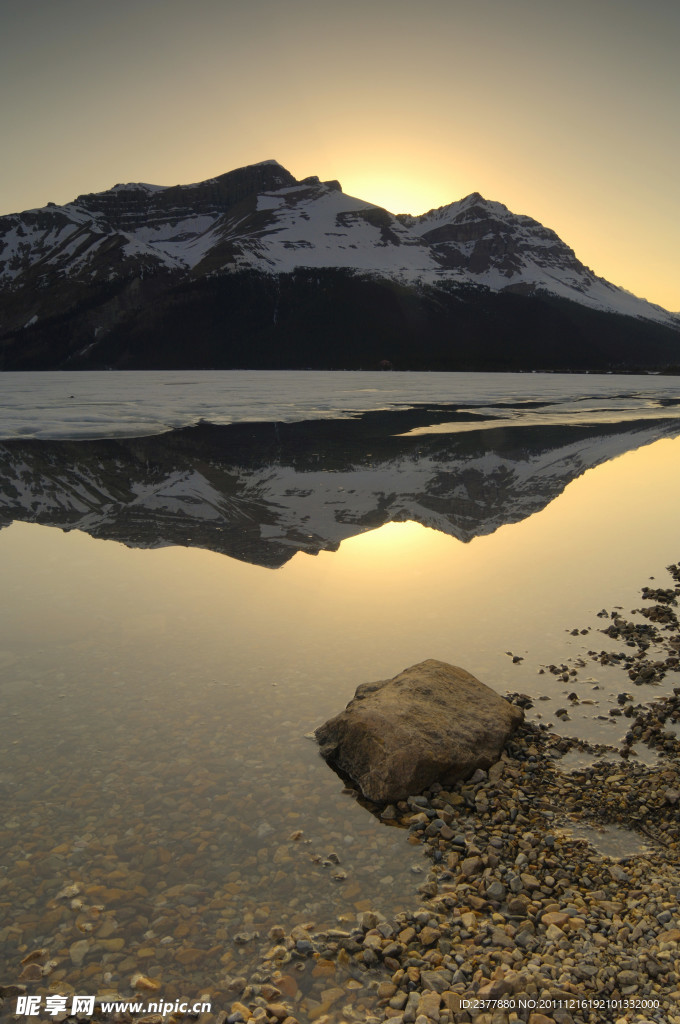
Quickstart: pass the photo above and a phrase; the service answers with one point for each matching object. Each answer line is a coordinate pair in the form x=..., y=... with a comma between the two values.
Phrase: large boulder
x=432, y=722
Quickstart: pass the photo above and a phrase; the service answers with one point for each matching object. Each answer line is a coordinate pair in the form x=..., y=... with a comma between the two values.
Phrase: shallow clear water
x=609, y=840
x=157, y=702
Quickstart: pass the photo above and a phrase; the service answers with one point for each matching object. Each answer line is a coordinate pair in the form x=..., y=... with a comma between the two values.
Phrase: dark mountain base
x=331, y=319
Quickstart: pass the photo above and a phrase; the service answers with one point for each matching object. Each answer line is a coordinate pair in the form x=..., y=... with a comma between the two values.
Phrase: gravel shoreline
x=513, y=910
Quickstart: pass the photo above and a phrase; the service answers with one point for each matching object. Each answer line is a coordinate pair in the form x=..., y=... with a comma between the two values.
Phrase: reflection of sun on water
x=393, y=544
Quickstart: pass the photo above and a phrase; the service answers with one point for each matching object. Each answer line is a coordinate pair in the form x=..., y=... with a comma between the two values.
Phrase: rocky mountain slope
x=255, y=268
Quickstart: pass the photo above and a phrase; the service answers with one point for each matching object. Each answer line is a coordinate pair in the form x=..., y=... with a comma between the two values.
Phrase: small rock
x=428, y=936
x=496, y=891
x=78, y=950
x=472, y=865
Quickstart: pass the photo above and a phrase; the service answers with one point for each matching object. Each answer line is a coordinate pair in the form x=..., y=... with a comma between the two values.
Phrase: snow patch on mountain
x=317, y=226
x=181, y=243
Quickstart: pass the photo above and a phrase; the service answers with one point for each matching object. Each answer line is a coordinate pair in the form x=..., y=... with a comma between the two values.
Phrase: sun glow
x=400, y=192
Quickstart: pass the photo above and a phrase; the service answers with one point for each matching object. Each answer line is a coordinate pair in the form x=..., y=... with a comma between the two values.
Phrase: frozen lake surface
x=132, y=404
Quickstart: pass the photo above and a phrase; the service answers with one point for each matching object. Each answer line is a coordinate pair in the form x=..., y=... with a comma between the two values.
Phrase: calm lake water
x=181, y=608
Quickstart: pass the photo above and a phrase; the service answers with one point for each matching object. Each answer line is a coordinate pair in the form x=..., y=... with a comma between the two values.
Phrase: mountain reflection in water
x=262, y=492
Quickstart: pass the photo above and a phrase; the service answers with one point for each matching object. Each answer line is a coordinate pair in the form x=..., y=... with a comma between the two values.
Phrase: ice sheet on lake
x=128, y=404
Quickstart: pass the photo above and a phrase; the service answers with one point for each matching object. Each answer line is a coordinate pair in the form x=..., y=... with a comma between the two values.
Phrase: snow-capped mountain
x=481, y=241
x=262, y=492
x=242, y=265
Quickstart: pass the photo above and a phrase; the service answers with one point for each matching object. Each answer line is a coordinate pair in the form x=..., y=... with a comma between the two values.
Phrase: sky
x=565, y=110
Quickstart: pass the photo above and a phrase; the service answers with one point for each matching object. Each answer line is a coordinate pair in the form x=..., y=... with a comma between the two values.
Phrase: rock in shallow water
x=432, y=722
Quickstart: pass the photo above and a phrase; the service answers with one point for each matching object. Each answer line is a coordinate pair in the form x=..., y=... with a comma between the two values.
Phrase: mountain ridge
x=93, y=282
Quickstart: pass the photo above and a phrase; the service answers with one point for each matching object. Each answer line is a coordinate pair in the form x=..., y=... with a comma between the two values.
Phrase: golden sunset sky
x=565, y=110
